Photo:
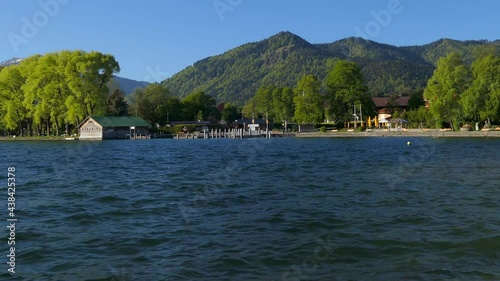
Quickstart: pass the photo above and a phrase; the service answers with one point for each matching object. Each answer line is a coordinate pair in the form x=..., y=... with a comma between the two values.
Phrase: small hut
x=398, y=124
x=113, y=127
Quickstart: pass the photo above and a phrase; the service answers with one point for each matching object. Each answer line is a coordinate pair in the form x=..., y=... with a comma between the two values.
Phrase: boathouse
x=245, y=123
x=113, y=127
x=307, y=128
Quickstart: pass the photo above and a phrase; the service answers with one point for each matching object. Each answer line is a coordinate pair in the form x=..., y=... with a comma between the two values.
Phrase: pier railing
x=225, y=134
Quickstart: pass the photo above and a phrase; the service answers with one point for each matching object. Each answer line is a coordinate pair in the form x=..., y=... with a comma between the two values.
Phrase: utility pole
x=253, y=111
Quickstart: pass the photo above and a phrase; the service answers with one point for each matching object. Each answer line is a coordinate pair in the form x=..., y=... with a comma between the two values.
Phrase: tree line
x=45, y=94
x=315, y=101
x=57, y=91
x=459, y=94
x=158, y=106
x=306, y=103
x=53, y=93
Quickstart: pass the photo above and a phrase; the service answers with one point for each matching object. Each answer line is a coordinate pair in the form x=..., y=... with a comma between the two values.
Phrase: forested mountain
x=128, y=85
x=285, y=58
x=434, y=51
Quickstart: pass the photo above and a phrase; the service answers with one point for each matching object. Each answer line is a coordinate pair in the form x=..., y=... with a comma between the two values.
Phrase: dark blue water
x=279, y=209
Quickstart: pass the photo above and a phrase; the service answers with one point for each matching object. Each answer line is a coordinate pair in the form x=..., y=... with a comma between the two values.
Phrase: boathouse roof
x=118, y=121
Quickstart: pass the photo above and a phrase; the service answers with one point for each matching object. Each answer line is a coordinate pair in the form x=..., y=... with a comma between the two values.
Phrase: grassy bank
x=38, y=138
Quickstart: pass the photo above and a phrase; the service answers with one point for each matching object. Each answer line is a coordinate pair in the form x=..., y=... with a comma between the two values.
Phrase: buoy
x=408, y=143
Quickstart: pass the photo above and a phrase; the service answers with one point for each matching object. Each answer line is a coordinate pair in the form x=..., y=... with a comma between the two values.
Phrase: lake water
x=279, y=209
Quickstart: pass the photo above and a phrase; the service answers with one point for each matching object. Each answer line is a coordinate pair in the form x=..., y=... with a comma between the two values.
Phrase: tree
x=88, y=75
x=199, y=116
x=174, y=109
x=450, y=79
x=308, y=101
x=482, y=99
x=345, y=89
x=199, y=101
x=264, y=100
x=283, y=104
x=47, y=89
x=229, y=113
x=55, y=89
x=116, y=105
x=416, y=100
x=248, y=108
x=151, y=103
x=14, y=115
x=66, y=86
x=482, y=51
x=420, y=118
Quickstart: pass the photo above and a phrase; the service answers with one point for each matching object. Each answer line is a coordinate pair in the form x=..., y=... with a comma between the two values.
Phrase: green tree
x=264, y=100
x=152, y=103
x=116, y=105
x=283, y=104
x=416, y=100
x=345, y=89
x=88, y=75
x=58, y=88
x=174, y=109
x=450, y=79
x=229, y=113
x=199, y=101
x=14, y=115
x=482, y=51
x=47, y=89
x=420, y=118
x=482, y=99
x=140, y=105
x=199, y=116
x=308, y=100
x=248, y=108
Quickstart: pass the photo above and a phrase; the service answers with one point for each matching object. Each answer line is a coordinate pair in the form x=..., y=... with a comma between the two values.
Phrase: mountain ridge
x=283, y=58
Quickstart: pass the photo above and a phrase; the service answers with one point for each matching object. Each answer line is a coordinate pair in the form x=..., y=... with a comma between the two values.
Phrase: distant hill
x=125, y=84
x=435, y=50
x=11, y=61
x=129, y=85
x=285, y=57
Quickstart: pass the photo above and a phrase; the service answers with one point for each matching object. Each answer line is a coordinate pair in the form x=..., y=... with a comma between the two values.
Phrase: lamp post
x=355, y=117
x=267, y=126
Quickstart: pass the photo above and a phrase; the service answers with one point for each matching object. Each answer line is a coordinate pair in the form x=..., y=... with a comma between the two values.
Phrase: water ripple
x=281, y=209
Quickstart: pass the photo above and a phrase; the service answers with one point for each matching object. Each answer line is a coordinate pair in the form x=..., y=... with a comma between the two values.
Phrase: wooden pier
x=227, y=134
x=140, y=137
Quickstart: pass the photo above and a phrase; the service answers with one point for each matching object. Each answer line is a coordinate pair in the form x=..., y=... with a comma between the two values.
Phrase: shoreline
x=341, y=134
x=430, y=134
x=32, y=138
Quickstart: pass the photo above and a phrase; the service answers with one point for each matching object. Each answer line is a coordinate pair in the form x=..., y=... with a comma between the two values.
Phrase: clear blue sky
x=154, y=39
